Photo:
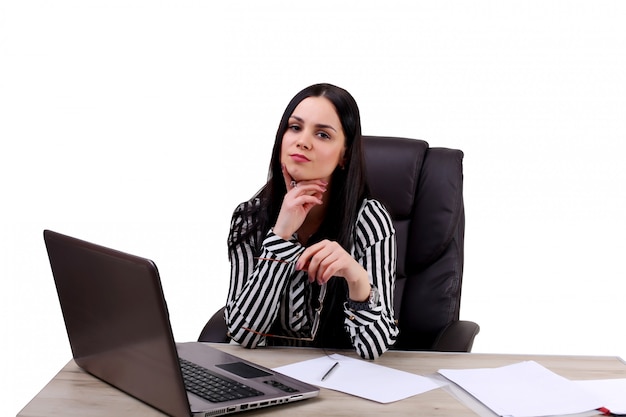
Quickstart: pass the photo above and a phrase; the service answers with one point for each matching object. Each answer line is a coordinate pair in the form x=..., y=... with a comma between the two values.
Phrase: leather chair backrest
x=422, y=188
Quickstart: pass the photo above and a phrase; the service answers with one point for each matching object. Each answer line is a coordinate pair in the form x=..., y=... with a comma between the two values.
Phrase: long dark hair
x=348, y=184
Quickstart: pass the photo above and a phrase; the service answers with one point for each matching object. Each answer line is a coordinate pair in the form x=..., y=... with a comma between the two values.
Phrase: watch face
x=374, y=297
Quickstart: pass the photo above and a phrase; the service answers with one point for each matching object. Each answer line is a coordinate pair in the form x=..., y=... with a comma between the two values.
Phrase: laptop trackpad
x=243, y=370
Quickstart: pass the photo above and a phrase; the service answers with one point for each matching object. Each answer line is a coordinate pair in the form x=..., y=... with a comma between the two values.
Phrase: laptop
x=118, y=327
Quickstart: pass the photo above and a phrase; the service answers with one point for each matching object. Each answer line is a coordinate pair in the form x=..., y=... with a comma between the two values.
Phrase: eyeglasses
x=314, y=329
x=273, y=260
x=277, y=336
x=316, y=320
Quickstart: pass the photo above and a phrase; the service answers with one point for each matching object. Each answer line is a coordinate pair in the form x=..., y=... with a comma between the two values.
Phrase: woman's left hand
x=326, y=259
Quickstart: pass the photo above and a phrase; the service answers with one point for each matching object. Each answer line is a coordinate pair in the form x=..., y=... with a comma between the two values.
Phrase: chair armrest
x=215, y=330
x=457, y=336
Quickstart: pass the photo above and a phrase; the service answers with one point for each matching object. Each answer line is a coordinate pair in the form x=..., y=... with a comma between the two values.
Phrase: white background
x=141, y=124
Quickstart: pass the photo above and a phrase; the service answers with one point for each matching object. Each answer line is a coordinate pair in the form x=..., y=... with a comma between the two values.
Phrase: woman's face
x=314, y=143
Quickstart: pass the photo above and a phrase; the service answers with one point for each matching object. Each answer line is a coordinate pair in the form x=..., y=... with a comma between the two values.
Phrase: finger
x=313, y=269
x=332, y=260
x=310, y=189
x=307, y=201
x=304, y=262
x=329, y=267
x=320, y=184
x=289, y=181
x=318, y=260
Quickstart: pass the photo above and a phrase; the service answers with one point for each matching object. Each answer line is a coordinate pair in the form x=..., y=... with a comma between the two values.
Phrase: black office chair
x=422, y=188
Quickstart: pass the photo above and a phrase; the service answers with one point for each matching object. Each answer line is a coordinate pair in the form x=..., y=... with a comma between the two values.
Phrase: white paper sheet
x=360, y=378
x=612, y=393
x=525, y=389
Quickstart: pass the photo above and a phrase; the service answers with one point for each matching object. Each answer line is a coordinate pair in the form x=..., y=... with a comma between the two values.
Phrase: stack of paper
x=525, y=389
x=612, y=392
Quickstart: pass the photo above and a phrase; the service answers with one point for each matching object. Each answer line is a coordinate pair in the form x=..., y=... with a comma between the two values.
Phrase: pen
x=332, y=368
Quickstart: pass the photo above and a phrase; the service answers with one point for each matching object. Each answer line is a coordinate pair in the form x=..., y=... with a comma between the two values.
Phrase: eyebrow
x=319, y=125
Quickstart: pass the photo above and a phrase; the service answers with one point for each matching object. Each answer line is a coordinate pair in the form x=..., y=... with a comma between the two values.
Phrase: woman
x=313, y=258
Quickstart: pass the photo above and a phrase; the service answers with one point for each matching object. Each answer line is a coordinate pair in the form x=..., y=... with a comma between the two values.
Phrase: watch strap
x=370, y=303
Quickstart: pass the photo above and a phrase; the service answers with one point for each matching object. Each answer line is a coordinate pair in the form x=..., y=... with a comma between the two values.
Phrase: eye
x=323, y=135
x=294, y=127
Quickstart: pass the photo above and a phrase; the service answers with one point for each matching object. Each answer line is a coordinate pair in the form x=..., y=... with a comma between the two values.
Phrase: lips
x=299, y=158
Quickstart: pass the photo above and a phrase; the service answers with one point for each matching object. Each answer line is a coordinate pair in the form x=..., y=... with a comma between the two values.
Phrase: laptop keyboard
x=213, y=387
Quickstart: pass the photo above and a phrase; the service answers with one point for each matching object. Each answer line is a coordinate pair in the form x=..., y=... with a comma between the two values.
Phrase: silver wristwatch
x=368, y=304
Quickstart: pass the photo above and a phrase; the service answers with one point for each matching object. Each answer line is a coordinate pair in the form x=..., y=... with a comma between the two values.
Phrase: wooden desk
x=72, y=392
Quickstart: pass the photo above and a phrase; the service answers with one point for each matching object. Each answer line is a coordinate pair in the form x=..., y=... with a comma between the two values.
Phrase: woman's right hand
x=301, y=197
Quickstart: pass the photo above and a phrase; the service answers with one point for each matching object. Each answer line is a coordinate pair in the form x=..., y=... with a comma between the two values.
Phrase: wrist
x=281, y=233
x=359, y=289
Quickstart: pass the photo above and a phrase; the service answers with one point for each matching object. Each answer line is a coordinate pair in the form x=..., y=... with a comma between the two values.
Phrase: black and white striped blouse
x=266, y=292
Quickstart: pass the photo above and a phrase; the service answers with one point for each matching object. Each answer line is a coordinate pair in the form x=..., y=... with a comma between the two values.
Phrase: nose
x=303, y=142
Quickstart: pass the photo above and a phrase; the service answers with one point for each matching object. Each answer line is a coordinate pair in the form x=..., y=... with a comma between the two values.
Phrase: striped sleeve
x=256, y=285
x=373, y=331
